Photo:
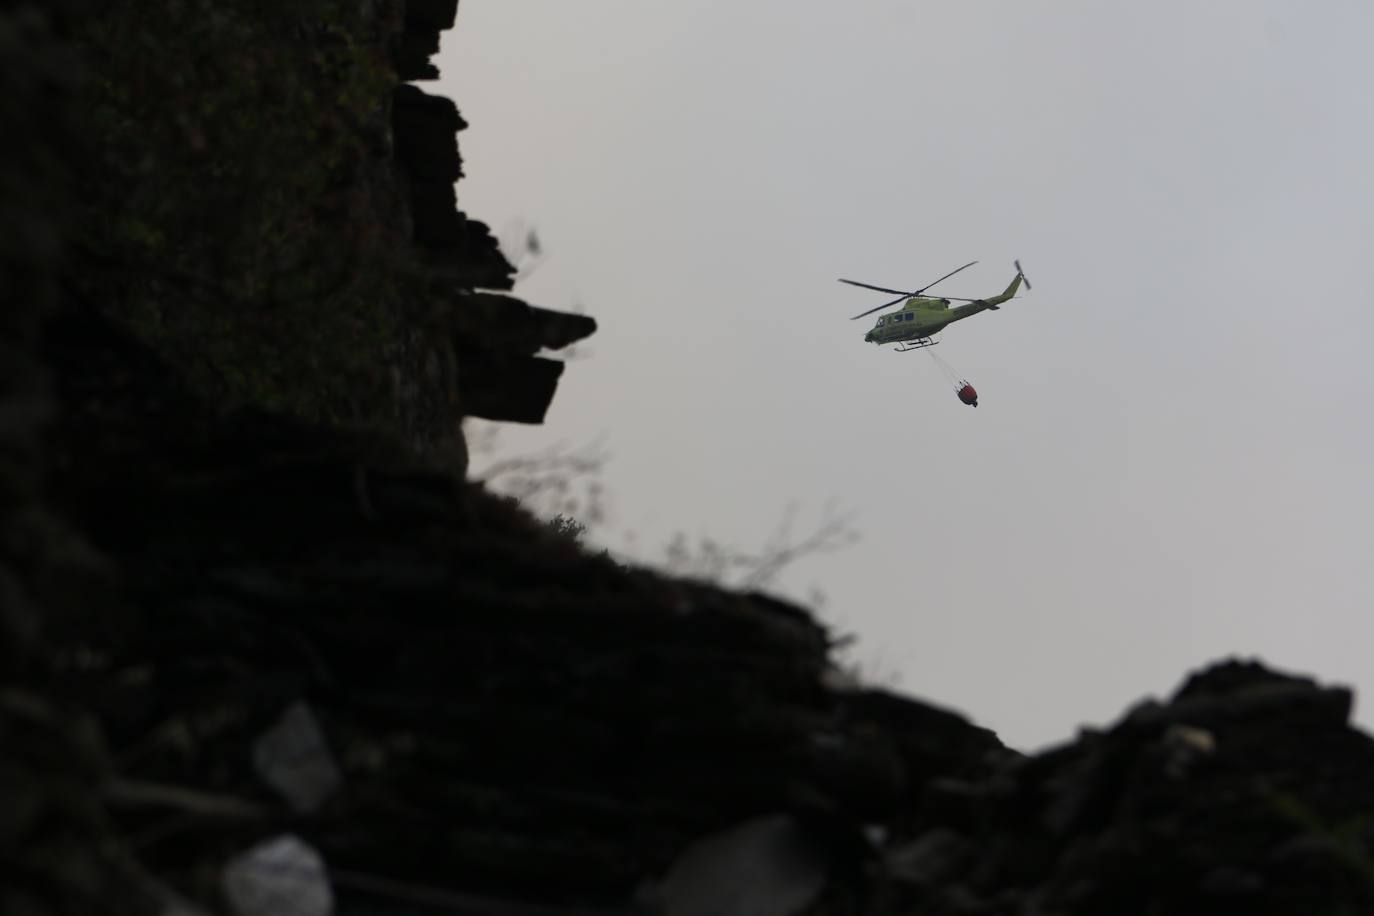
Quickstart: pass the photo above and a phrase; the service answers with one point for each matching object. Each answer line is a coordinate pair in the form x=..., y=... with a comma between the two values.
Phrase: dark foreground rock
x=1247, y=792
x=311, y=634
x=502, y=713
x=253, y=664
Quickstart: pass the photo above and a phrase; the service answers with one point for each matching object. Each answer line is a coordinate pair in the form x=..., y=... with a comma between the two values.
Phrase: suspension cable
x=953, y=377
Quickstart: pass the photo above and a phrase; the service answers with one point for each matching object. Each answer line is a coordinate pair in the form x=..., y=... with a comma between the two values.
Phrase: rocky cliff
x=265, y=650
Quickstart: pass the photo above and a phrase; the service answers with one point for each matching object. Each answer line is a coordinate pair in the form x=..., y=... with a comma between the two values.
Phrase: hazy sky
x=1171, y=457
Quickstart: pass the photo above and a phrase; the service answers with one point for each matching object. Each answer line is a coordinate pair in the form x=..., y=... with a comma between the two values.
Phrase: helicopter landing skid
x=919, y=343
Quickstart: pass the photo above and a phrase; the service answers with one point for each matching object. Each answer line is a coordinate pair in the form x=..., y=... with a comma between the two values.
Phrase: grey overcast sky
x=1171, y=460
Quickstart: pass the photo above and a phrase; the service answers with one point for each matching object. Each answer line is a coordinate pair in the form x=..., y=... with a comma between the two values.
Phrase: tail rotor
x=1024, y=278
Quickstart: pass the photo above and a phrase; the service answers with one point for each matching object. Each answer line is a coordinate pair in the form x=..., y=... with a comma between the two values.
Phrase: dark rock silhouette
x=1246, y=792
x=233, y=636
x=419, y=38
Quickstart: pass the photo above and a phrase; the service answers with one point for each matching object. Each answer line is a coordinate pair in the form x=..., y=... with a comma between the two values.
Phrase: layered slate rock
x=425, y=129
x=267, y=203
x=419, y=38
x=495, y=337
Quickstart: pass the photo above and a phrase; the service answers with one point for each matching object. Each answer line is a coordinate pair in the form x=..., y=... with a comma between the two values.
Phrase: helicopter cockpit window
x=880, y=322
x=910, y=316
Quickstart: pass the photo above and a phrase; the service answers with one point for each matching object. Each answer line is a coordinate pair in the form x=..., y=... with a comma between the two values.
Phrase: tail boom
x=996, y=301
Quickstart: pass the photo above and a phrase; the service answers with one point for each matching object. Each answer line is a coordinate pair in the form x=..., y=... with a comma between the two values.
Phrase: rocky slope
x=266, y=651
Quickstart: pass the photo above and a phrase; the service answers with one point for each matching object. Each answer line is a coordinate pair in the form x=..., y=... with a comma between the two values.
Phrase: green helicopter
x=913, y=325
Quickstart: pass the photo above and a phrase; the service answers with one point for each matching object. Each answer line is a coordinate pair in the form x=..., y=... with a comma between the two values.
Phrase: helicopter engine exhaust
x=968, y=395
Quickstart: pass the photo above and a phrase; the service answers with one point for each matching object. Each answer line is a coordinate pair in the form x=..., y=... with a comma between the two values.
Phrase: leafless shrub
x=556, y=481
x=564, y=485
x=715, y=561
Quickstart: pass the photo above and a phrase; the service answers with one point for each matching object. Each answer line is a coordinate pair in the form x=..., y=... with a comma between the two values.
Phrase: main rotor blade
x=881, y=289
x=945, y=277
x=883, y=306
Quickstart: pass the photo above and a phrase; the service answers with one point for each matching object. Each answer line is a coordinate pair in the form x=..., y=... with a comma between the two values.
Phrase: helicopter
x=913, y=326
